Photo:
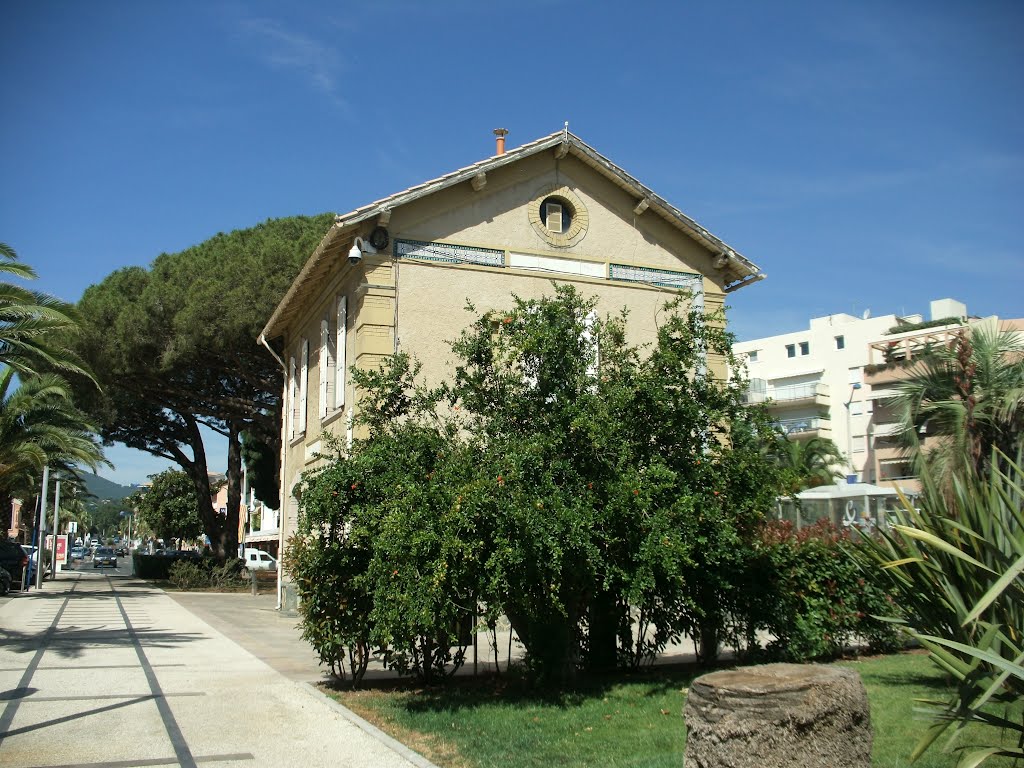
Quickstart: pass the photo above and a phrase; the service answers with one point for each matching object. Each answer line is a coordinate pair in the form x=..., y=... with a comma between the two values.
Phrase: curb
x=393, y=744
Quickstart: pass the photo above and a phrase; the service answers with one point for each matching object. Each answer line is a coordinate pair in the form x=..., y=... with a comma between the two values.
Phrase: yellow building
x=396, y=274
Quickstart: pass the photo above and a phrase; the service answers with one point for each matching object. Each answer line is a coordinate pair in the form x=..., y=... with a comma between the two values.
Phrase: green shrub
x=231, y=573
x=186, y=574
x=809, y=591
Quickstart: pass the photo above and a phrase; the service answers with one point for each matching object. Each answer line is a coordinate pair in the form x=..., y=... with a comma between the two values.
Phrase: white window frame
x=340, y=364
x=326, y=369
x=303, y=387
x=293, y=397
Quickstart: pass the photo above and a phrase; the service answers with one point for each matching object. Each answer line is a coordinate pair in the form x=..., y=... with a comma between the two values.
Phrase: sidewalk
x=103, y=670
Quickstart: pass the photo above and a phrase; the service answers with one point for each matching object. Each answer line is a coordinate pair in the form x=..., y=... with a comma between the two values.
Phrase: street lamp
x=849, y=429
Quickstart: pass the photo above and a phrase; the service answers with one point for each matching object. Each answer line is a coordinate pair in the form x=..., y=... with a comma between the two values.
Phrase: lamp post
x=849, y=428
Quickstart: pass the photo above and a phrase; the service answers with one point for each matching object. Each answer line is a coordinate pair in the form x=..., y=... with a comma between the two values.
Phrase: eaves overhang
x=735, y=270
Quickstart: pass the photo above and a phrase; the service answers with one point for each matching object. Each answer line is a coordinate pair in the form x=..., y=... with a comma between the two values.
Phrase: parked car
x=104, y=556
x=258, y=560
x=5, y=581
x=12, y=559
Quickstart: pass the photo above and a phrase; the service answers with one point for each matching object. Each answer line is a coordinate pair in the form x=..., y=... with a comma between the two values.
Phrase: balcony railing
x=800, y=426
x=788, y=393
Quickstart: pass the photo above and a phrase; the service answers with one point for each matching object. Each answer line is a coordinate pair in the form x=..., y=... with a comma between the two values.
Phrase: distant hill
x=106, y=490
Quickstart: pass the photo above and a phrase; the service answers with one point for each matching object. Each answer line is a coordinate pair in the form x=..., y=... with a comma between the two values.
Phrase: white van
x=258, y=560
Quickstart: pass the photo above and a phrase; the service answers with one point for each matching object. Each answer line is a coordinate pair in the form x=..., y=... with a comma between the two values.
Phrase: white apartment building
x=816, y=382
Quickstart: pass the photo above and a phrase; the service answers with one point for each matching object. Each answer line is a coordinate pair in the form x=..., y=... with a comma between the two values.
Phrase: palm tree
x=39, y=425
x=969, y=394
x=31, y=323
x=808, y=463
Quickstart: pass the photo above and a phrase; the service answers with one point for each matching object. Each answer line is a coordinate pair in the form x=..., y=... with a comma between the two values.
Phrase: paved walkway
x=103, y=670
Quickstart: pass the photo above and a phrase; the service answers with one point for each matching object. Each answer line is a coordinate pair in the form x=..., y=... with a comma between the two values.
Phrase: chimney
x=501, y=133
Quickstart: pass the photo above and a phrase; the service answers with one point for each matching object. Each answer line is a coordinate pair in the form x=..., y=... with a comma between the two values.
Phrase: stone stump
x=778, y=715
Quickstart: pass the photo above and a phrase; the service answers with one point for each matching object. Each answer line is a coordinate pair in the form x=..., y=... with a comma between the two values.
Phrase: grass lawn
x=621, y=721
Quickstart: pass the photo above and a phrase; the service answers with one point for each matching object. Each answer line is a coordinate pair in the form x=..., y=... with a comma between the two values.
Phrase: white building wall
x=818, y=359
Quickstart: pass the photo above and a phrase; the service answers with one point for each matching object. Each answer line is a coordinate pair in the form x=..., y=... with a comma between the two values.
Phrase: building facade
x=396, y=275
x=837, y=378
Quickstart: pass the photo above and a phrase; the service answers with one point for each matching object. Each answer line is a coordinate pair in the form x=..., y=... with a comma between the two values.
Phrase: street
x=99, y=668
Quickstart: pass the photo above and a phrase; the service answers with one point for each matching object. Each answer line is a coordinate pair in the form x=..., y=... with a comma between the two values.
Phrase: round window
x=556, y=214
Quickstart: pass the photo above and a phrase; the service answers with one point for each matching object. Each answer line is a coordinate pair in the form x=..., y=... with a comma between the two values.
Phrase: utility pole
x=40, y=526
x=53, y=557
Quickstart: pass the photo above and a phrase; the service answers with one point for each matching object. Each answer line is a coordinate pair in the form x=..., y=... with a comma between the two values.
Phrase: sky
x=866, y=155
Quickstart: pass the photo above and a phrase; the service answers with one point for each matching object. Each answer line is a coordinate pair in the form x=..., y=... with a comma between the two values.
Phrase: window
x=300, y=425
x=791, y=350
x=326, y=368
x=752, y=356
x=556, y=213
x=339, y=346
x=293, y=398
x=840, y=342
x=805, y=348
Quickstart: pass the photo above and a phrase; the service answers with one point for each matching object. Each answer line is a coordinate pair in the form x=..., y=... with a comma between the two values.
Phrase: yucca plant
x=954, y=565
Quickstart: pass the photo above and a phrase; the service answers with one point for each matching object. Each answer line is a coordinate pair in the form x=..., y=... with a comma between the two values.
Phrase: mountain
x=106, y=490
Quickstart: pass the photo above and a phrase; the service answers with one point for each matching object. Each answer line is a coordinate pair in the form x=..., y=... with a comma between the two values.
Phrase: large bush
x=602, y=497
x=810, y=593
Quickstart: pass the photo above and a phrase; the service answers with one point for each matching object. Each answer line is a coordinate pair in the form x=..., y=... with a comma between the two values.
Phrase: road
x=100, y=669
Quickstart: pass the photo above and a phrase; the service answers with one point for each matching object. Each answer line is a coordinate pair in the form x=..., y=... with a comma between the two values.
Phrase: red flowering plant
x=809, y=593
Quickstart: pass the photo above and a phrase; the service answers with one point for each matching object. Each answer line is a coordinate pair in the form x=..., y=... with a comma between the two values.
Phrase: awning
x=262, y=536
x=844, y=491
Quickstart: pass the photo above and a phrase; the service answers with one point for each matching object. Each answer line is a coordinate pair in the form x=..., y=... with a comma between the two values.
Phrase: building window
x=556, y=214
x=303, y=388
x=791, y=350
x=326, y=368
x=559, y=216
x=752, y=356
x=339, y=347
x=805, y=348
x=840, y=342
x=293, y=397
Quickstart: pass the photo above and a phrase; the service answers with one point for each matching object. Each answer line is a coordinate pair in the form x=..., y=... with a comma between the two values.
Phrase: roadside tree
x=167, y=507
x=175, y=348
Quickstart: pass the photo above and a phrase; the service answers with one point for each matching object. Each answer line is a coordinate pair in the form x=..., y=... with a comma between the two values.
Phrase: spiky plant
x=954, y=566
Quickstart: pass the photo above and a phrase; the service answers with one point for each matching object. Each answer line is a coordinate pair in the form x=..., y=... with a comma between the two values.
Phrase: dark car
x=13, y=559
x=104, y=556
x=121, y=551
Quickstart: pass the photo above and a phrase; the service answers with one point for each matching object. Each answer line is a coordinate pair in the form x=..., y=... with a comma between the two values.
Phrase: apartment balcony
x=806, y=428
x=890, y=429
x=791, y=396
x=894, y=359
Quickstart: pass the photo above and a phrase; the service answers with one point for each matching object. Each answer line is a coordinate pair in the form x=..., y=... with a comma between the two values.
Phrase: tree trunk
x=602, y=638
x=5, y=514
x=230, y=534
x=776, y=716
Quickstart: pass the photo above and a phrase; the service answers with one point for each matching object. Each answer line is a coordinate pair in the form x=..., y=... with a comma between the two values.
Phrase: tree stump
x=778, y=715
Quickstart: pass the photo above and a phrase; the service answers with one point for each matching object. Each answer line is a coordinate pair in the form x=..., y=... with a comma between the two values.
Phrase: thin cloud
x=285, y=50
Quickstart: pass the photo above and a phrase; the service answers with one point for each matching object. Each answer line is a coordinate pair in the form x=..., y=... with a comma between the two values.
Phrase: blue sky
x=867, y=155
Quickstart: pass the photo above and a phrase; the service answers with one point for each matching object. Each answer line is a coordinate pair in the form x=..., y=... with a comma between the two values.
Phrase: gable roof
x=737, y=271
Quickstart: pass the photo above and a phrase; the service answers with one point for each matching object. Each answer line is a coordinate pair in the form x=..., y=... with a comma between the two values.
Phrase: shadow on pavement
x=71, y=642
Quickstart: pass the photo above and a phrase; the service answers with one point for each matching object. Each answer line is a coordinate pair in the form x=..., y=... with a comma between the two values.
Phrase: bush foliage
x=605, y=498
